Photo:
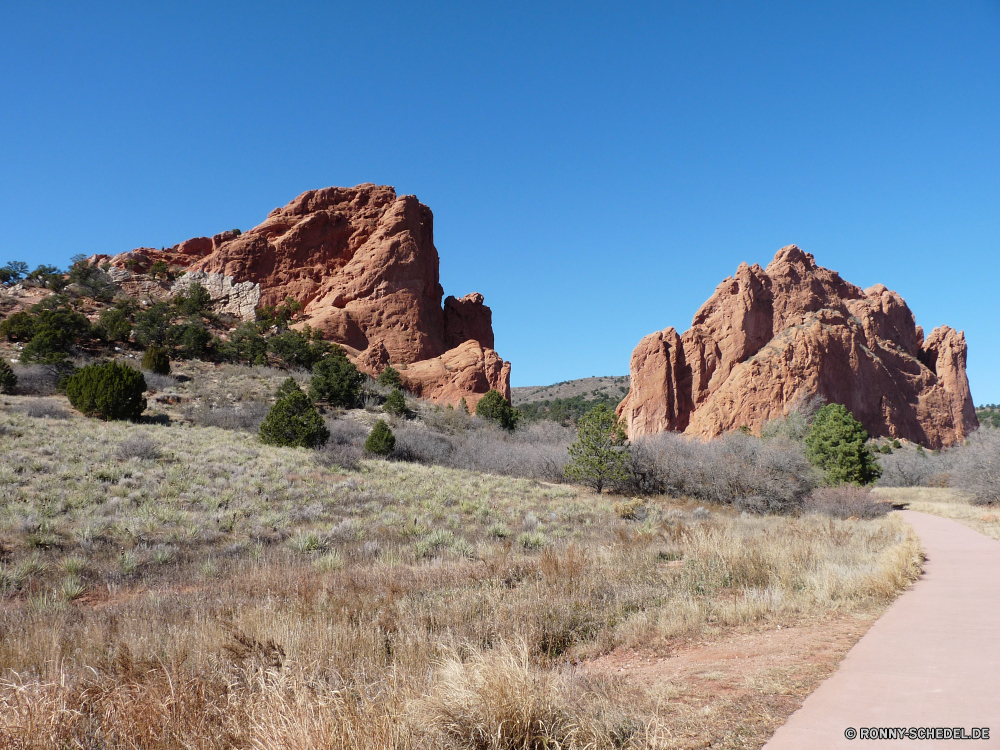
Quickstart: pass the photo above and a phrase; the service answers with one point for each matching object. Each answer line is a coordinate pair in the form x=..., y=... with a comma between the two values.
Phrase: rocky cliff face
x=362, y=263
x=769, y=337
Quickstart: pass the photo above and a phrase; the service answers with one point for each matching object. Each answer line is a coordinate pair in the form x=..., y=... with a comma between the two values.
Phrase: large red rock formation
x=769, y=337
x=362, y=263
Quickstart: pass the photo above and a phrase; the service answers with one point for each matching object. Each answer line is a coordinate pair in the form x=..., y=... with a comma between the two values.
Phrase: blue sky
x=594, y=169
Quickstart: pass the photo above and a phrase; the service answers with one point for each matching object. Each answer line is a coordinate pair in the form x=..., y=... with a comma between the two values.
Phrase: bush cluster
x=293, y=421
x=156, y=360
x=107, y=391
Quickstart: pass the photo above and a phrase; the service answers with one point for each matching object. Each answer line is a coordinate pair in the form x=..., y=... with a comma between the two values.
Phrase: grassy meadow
x=179, y=586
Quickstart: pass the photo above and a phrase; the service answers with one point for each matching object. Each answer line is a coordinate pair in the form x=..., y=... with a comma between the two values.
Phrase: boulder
x=769, y=338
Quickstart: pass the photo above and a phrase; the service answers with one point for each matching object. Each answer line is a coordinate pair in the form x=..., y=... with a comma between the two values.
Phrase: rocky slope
x=768, y=338
x=362, y=263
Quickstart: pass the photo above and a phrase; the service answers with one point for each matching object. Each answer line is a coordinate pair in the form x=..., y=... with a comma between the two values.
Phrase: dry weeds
x=169, y=586
x=948, y=503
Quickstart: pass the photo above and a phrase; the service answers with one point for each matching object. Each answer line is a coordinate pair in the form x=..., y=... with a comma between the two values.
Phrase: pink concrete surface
x=932, y=660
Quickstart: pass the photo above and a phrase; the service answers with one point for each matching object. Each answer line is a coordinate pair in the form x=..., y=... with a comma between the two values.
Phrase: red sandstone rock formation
x=362, y=263
x=768, y=337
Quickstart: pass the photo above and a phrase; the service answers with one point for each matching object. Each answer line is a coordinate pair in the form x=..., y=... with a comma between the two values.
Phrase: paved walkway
x=932, y=660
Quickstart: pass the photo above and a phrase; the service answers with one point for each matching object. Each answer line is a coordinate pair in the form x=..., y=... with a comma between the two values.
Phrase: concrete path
x=932, y=660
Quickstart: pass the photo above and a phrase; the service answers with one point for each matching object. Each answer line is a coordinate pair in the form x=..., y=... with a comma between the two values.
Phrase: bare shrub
x=450, y=421
x=536, y=452
x=41, y=408
x=759, y=476
x=245, y=416
x=345, y=448
x=36, y=380
x=156, y=382
x=138, y=446
x=975, y=467
x=421, y=445
x=847, y=501
x=909, y=467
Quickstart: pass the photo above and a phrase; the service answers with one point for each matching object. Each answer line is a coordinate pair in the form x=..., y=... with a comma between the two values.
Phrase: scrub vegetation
x=170, y=584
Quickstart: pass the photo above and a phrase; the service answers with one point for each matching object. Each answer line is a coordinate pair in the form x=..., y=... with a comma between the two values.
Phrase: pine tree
x=395, y=403
x=836, y=444
x=156, y=360
x=599, y=455
x=390, y=377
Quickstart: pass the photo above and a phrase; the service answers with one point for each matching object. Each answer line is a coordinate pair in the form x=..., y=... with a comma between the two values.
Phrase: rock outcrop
x=240, y=299
x=362, y=263
x=770, y=337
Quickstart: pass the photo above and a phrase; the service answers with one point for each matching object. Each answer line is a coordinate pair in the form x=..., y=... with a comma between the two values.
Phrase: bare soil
x=736, y=690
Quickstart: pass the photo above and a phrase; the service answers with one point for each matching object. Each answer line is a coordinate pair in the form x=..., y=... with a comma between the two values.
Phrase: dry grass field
x=178, y=586
x=949, y=503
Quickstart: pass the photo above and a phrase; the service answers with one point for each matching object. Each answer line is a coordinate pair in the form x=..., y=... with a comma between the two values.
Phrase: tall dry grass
x=183, y=587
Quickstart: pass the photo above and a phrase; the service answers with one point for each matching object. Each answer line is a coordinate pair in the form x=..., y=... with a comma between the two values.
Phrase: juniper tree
x=293, y=421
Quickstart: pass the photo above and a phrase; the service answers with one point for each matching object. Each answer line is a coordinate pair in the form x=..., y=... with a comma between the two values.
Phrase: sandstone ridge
x=362, y=263
x=769, y=338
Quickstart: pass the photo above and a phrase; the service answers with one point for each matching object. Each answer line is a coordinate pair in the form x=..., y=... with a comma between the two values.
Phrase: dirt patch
x=734, y=692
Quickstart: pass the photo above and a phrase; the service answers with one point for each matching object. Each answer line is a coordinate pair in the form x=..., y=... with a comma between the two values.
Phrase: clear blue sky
x=595, y=169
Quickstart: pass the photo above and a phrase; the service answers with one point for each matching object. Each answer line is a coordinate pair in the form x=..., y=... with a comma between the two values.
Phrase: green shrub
x=156, y=360
x=107, y=391
x=159, y=268
x=836, y=443
x=297, y=349
x=395, y=403
x=390, y=378
x=335, y=380
x=463, y=405
x=293, y=420
x=245, y=345
x=196, y=301
x=18, y=327
x=599, y=456
x=114, y=324
x=192, y=338
x=151, y=325
x=8, y=380
x=380, y=440
x=495, y=408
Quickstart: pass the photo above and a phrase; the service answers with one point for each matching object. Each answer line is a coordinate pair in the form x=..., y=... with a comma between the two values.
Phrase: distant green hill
x=565, y=410
x=989, y=415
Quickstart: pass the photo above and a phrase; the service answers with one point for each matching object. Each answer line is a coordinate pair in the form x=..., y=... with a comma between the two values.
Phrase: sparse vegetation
x=230, y=594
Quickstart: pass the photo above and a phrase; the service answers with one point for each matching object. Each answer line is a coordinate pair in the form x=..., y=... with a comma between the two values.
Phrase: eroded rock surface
x=769, y=337
x=362, y=263
x=239, y=299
